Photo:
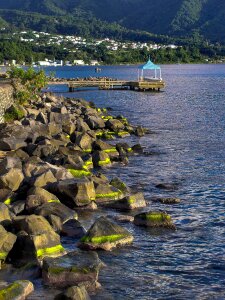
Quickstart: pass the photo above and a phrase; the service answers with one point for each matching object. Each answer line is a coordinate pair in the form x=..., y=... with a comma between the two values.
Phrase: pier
x=111, y=84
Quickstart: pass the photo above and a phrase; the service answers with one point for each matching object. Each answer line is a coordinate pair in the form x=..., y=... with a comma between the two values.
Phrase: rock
x=166, y=200
x=82, y=126
x=76, y=192
x=11, y=143
x=35, y=240
x=42, y=151
x=58, y=209
x=95, y=122
x=18, y=207
x=7, y=240
x=154, y=219
x=7, y=196
x=119, y=184
x=74, y=293
x=18, y=290
x=41, y=117
x=43, y=180
x=137, y=148
x=105, y=235
x=107, y=193
x=79, y=267
x=55, y=222
x=139, y=131
x=46, y=196
x=114, y=125
x=11, y=179
x=84, y=141
x=4, y=214
x=105, y=147
x=10, y=163
x=32, y=202
x=130, y=202
x=69, y=128
x=123, y=218
x=101, y=159
x=167, y=186
x=54, y=128
x=73, y=228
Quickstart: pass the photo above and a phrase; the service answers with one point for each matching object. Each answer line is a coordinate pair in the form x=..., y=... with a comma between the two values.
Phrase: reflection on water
x=187, y=146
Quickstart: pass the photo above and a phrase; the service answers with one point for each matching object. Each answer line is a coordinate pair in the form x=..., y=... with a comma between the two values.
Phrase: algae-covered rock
x=11, y=179
x=7, y=240
x=119, y=184
x=36, y=239
x=18, y=290
x=101, y=159
x=130, y=202
x=107, y=193
x=105, y=235
x=38, y=196
x=76, y=192
x=79, y=267
x=58, y=209
x=74, y=293
x=154, y=219
x=7, y=196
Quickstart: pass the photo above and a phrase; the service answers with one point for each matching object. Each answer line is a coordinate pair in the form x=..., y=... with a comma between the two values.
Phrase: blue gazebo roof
x=149, y=66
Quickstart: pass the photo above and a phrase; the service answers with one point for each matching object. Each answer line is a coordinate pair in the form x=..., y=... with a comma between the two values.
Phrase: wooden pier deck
x=154, y=85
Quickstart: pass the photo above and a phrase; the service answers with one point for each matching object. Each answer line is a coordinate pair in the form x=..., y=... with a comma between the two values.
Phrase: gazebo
x=149, y=66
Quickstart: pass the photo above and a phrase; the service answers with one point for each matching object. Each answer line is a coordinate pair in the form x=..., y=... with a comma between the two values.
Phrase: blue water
x=187, y=147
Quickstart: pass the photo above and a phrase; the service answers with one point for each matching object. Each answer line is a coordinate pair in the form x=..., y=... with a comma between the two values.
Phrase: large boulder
x=43, y=180
x=11, y=179
x=58, y=209
x=35, y=240
x=18, y=290
x=130, y=202
x=79, y=267
x=105, y=235
x=154, y=219
x=107, y=193
x=46, y=196
x=73, y=228
x=7, y=240
x=76, y=192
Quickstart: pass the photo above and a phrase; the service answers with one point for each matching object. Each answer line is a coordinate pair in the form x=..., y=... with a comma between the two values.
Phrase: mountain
x=167, y=17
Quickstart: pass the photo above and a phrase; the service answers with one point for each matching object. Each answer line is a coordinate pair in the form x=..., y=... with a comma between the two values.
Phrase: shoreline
x=51, y=166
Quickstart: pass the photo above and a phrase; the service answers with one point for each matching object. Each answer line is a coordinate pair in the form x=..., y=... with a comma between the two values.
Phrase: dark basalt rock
x=154, y=219
x=105, y=235
x=58, y=209
x=166, y=200
x=74, y=293
x=78, y=267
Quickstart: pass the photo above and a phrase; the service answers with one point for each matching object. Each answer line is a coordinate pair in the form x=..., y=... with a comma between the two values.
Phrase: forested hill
x=167, y=17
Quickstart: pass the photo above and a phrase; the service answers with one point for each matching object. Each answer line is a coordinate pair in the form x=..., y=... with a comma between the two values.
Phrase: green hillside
x=167, y=17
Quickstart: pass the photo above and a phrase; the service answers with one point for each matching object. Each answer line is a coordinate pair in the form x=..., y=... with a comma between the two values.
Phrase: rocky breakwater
x=50, y=173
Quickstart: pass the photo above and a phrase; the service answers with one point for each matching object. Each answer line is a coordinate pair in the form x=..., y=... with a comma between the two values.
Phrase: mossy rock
x=105, y=235
x=75, y=268
x=15, y=112
x=154, y=219
x=18, y=290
